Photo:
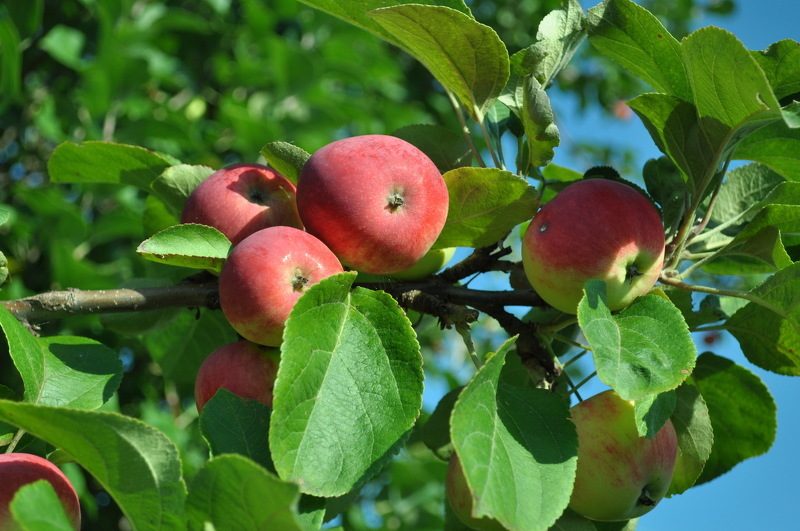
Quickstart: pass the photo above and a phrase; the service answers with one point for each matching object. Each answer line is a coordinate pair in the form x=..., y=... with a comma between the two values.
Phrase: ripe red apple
x=377, y=201
x=240, y=199
x=243, y=368
x=461, y=499
x=620, y=475
x=594, y=229
x=18, y=470
x=265, y=274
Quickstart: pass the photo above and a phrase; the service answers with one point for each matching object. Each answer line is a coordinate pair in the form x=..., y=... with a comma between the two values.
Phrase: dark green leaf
x=695, y=437
x=177, y=182
x=135, y=463
x=436, y=430
x=667, y=188
x=652, y=412
x=742, y=412
x=448, y=150
x=348, y=390
x=781, y=64
x=105, y=162
x=233, y=424
x=644, y=349
x=634, y=38
x=287, y=159
x=10, y=60
x=187, y=245
x=776, y=146
x=514, y=444
x=234, y=493
x=466, y=57
x=538, y=121
x=485, y=203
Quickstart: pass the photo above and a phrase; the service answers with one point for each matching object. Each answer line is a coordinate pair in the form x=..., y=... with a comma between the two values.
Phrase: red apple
x=18, y=470
x=265, y=274
x=620, y=475
x=243, y=368
x=377, y=201
x=240, y=199
x=594, y=229
x=461, y=499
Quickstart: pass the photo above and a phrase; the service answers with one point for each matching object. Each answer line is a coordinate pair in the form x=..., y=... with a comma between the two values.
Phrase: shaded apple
x=594, y=229
x=20, y=469
x=377, y=201
x=240, y=199
x=620, y=475
x=241, y=367
x=265, y=274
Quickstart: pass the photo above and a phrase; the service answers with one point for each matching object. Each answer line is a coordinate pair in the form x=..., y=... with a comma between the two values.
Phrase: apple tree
x=513, y=306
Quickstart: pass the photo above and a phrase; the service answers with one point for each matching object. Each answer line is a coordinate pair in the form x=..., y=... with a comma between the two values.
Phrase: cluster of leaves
x=344, y=407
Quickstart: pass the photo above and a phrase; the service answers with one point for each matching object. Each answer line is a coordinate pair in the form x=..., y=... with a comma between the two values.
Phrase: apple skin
x=240, y=199
x=241, y=367
x=19, y=469
x=594, y=229
x=265, y=274
x=461, y=500
x=620, y=475
x=432, y=262
x=377, y=201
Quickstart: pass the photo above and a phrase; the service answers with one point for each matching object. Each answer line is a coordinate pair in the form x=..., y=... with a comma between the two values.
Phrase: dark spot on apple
x=394, y=202
x=660, y=36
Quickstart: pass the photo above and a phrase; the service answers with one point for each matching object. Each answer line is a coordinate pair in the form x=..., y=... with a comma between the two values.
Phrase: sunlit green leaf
x=287, y=159
x=187, y=245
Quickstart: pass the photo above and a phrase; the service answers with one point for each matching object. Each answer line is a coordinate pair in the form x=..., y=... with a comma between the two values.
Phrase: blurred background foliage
x=210, y=82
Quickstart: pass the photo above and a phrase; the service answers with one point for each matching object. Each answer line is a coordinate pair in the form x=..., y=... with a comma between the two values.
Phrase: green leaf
x=781, y=64
x=776, y=146
x=10, y=59
x=180, y=348
x=634, y=38
x=436, y=430
x=287, y=159
x=348, y=390
x=5, y=215
x=105, y=162
x=187, y=245
x=233, y=424
x=769, y=330
x=538, y=121
x=743, y=188
x=485, y=203
x=61, y=370
x=466, y=57
x=667, y=188
x=356, y=12
x=652, y=412
x=234, y=493
x=175, y=184
x=695, y=437
x=742, y=412
x=644, y=349
x=448, y=150
x=135, y=463
x=36, y=506
x=517, y=447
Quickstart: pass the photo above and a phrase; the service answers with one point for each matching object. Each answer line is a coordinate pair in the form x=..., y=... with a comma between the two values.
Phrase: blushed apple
x=620, y=475
x=594, y=229
x=432, y=262
x=20, y=469
x=377, y=201
x=241, y=367
x=240, y=199
x=461, y=499
x=265, y=274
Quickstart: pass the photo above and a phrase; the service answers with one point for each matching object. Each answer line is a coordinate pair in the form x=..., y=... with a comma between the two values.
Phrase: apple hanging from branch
x=594, y=229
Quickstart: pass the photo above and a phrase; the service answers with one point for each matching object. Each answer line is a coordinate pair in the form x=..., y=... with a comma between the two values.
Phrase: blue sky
x=759, y=493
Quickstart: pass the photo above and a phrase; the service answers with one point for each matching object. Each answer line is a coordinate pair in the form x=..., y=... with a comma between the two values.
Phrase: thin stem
x=565, y=340
x=463, y=331
x=486, y=137
x=576, y=357
x=13, y=444
x=584, y=381
x=465, y=129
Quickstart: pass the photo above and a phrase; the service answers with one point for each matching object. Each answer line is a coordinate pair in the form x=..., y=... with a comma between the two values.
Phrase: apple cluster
x=373, y=203
x=20, y=469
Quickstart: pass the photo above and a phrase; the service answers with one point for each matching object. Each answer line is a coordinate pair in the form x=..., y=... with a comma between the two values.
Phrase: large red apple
x=377, y=201
x=240, y=199
x=594, y=229
x=18, y=470
x=620, y=475
x=265, y=274
x=243, y=368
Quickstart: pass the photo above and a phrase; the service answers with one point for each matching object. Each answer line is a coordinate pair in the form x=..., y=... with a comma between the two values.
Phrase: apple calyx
x=631, y=272
x=394, y=202
x=645, y=500
x=299, y=282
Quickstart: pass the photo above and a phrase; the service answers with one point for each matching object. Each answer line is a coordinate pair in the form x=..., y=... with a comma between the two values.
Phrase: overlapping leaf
x=175, y=184
x=348, y=390
x=287, y=159
x=695, y=437
x=187, y=245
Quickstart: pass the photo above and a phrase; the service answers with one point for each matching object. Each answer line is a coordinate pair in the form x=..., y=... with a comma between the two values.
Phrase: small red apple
x=265, y=274
x=240, y=199
x=243, y=368
x=594, y=229
x=377, y=201
x=620, y=475
x=18, y=470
